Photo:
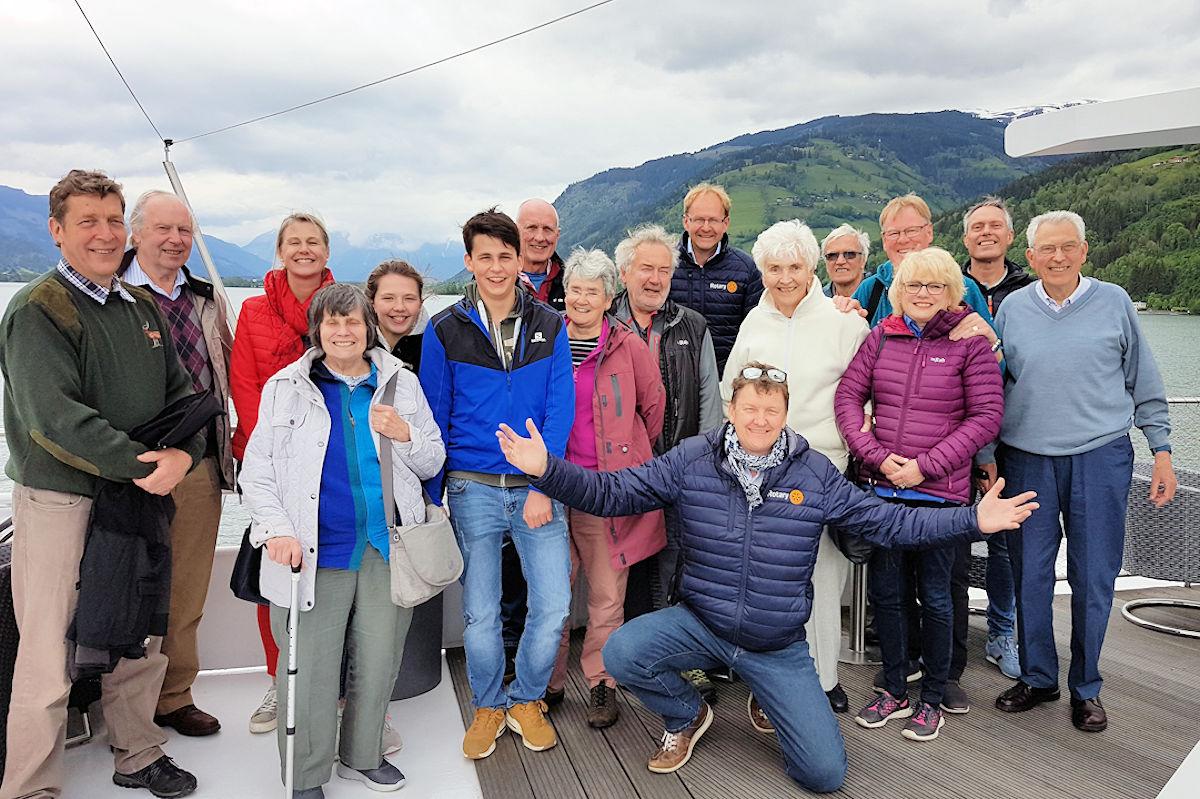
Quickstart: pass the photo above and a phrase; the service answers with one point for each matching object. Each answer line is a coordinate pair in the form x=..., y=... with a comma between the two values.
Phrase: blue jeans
x=888, y=580
x=1002, y=599
x=1091, y=492
x=647, y=654
x=481, y=516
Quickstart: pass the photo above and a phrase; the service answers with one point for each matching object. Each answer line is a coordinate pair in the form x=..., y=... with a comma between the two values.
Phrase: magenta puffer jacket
x=936, y=400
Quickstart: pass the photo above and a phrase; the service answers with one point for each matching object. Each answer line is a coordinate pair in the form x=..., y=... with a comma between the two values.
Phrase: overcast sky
x=625, y=83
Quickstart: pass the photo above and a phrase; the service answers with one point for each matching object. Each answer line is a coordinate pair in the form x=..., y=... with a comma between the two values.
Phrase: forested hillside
x=1142, y=210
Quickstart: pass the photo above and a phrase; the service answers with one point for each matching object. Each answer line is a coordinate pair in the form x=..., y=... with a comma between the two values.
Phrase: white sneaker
x=266, y=717
x=391, y=739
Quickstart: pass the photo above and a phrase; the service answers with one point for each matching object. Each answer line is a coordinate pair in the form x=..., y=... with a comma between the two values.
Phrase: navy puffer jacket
x=722, y=291
x=747, y=574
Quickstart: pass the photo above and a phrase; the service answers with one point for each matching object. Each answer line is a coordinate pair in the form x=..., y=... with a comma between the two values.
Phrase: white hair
x=1054, y=217
x=864, y=240
x=645, y=234
x=137, y=217
x=990, y=201
x=591, y=265
x=786, y=241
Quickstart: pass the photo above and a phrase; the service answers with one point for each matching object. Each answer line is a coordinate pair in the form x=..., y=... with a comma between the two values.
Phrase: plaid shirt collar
x=91, y=288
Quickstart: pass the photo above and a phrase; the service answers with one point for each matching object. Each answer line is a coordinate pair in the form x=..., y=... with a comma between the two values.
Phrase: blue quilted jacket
x=747, y=574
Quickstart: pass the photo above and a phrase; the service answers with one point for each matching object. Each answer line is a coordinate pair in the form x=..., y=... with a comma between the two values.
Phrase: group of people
x=698, y=430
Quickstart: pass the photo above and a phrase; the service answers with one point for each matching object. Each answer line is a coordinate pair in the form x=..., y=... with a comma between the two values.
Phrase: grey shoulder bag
x=424, y=557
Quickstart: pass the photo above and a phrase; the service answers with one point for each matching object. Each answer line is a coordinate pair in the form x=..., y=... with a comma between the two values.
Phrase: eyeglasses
x=774, y=375
x=1048, y=250
x=934, y=289
x=849, y=255
x=707, y=221
x=908, y=232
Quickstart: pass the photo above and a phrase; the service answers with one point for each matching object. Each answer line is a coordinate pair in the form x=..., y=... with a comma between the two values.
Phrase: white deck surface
x=234, y=764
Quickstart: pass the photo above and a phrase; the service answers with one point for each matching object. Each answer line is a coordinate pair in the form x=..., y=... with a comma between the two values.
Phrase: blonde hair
x=707, y=188
x=897, y=204
x=296, y=218
x=930, y=265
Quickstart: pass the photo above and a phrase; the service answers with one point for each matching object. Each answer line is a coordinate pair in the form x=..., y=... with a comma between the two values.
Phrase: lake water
x=1174, y=340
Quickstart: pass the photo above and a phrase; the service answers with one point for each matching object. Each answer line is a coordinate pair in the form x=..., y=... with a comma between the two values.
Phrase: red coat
x=628, y=404
x=271, y=332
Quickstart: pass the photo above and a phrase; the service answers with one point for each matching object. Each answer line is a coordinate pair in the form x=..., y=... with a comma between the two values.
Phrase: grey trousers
x=373, y=638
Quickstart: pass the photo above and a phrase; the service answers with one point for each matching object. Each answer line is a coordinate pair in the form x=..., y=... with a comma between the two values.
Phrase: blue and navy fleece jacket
x=350, y=515
x=471, y=392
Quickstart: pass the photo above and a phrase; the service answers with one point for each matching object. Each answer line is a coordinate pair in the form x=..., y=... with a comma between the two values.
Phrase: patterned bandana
x=742, y=462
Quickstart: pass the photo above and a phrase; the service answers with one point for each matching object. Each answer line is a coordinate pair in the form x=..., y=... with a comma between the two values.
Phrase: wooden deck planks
x=1151, y=690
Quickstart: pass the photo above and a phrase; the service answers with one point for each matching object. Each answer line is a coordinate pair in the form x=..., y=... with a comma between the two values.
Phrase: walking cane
x=289, y=778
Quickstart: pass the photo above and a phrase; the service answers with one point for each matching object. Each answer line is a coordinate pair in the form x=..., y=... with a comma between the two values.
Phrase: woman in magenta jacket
x=936, y=403
x=619, y=407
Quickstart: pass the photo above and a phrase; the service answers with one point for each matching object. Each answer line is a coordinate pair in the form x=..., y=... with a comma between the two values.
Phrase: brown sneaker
x=480, y=740
x=676, y=747
x=758, y=719
x=602, y=706
x=529, y=721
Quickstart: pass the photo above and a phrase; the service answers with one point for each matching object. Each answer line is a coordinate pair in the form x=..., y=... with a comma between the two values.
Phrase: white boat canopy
x=1154, y=120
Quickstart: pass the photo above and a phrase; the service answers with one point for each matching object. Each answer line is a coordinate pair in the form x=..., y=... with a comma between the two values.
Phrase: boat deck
x=1151, y=692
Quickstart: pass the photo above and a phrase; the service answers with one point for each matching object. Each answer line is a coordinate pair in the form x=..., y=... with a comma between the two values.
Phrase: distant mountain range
x=827, y=171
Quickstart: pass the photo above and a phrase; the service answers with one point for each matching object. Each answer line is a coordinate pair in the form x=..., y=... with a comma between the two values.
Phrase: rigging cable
x=119, y=74
x=343, y=93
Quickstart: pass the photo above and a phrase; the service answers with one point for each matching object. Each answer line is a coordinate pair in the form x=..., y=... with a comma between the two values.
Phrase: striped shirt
x=581, y=348
x=91, y=288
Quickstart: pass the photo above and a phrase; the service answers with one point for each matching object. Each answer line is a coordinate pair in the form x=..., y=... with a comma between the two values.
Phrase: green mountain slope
x=1142, y=210
x=828, y=171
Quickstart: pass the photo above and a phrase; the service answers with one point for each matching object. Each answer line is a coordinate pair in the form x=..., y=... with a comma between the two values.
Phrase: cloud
x=618, y=86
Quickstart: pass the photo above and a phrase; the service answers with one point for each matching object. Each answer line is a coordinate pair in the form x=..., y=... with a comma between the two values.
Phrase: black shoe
x=1088, y=715
x=1022, y=697
x=554, y=698
x=838, y=700
x=915, y=672
x=954, y=698
x=189, y=720
x=161, y=778
x=723, y=674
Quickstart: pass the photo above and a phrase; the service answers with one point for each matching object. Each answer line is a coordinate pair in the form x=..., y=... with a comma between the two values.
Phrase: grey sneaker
x=266, y=716
x=385, y=778
x=885, y=708
x=954, y=698
x=924, y=724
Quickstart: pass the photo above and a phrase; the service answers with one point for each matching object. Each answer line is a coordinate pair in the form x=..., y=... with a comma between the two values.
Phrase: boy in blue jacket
x=498, y=355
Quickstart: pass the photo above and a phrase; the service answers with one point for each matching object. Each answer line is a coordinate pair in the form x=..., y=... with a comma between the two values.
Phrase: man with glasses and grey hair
x=161, y=241
x=1080, y=372
x=845, y=250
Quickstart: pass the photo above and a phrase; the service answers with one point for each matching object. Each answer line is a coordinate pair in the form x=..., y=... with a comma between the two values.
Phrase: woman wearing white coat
x=796, y=327
x=312, y=481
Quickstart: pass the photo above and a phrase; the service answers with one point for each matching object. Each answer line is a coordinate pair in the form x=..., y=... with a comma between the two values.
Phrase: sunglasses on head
x=774, y=375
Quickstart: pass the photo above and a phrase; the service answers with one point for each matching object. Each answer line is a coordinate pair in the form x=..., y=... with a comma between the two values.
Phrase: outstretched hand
x=527, y=454
x=993, y=513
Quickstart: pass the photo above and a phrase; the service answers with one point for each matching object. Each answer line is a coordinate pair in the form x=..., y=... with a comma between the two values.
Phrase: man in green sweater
x=85, y=359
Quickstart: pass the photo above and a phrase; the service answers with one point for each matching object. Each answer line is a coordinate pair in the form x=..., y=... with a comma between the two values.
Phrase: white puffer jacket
x=281, y=473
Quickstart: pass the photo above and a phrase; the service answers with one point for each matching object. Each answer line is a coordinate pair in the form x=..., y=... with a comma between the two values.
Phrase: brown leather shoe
x=189, y=720
x=676, y=747
x=1088, y=715
x=602, y=706
x=758, y=718
x=1022, y=697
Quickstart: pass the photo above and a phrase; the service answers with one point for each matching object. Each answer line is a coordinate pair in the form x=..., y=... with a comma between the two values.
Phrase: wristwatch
x=997, y=345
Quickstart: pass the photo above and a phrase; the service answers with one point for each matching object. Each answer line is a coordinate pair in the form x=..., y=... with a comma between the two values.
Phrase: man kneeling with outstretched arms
x=752, y=499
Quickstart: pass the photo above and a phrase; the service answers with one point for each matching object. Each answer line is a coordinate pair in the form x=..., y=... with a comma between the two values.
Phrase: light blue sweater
x=1080, y=377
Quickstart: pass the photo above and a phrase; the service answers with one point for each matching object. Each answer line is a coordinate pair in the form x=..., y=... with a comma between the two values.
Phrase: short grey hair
x=645, y=234
x=341, y=299
x=785, y=241
x=864, y=240
x=137, y=217
x=1054, y=217
x=990, y=201
x=591, y=265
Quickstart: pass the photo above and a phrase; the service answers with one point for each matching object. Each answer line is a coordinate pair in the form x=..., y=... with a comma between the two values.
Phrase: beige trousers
x=48, y=539
x=193, y=543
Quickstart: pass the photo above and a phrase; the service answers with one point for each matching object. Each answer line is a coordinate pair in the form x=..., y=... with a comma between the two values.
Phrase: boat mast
x=197, y=236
